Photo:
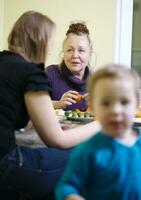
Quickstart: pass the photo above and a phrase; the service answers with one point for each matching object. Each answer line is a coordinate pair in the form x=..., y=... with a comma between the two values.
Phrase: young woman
x=24, y=94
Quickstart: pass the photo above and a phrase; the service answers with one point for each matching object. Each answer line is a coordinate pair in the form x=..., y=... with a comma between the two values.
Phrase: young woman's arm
x=42, y=114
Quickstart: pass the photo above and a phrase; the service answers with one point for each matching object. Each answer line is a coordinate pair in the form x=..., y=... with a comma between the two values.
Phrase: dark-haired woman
x=24, y=94
x=69, y=78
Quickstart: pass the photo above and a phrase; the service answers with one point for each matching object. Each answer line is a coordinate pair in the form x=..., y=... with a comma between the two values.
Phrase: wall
x=137, y=24
x=136, y=37
x=1, y=22
x=100, y=17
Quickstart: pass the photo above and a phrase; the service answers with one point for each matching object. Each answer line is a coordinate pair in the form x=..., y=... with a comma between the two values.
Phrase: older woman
x=69, y=78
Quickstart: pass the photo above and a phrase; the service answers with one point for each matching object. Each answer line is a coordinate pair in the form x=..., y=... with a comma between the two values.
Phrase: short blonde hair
x=30, y=36
x=114, y=71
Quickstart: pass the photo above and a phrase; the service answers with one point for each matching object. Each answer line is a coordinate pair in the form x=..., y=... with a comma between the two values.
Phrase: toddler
x=108, y=165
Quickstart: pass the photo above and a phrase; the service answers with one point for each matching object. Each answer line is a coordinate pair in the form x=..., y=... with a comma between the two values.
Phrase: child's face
x=114, y=105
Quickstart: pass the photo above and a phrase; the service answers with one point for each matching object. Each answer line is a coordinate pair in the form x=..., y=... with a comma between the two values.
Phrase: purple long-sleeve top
x=62, y=80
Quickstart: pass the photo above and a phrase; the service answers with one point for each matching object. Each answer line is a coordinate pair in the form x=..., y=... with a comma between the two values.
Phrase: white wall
x=123, y=39
x=100, y=16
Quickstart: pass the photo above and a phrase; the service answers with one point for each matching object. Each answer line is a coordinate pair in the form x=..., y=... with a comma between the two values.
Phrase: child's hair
x=114, y=71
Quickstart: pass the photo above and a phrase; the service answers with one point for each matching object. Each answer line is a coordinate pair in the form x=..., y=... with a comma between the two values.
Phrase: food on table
x=77, y=114
x=60, y=112
x=79, y=97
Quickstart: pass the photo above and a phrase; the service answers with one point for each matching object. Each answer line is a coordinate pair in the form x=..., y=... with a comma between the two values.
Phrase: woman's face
x=77, y=54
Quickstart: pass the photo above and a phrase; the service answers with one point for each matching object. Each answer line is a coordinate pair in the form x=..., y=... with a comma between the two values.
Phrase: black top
x=17, y=76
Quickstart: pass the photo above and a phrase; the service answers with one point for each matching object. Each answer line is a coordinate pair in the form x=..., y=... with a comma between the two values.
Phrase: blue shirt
x=103, y=169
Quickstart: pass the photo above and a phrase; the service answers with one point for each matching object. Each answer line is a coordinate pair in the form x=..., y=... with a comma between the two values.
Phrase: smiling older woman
x=69, y=78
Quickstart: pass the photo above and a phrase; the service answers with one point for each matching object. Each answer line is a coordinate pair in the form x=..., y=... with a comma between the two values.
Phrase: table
x=29, y=136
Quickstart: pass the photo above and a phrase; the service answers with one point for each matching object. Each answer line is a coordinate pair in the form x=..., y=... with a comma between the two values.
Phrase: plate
x=79, y=119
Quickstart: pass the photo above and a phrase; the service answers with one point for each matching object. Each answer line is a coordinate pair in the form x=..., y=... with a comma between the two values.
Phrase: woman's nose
x=75, y=53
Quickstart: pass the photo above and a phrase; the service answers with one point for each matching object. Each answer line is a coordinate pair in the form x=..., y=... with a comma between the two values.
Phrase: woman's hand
x=67, y=99
x=70, y=97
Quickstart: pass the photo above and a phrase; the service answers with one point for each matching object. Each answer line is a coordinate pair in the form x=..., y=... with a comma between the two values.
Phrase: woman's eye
x=69, y=50
x=81, y=50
